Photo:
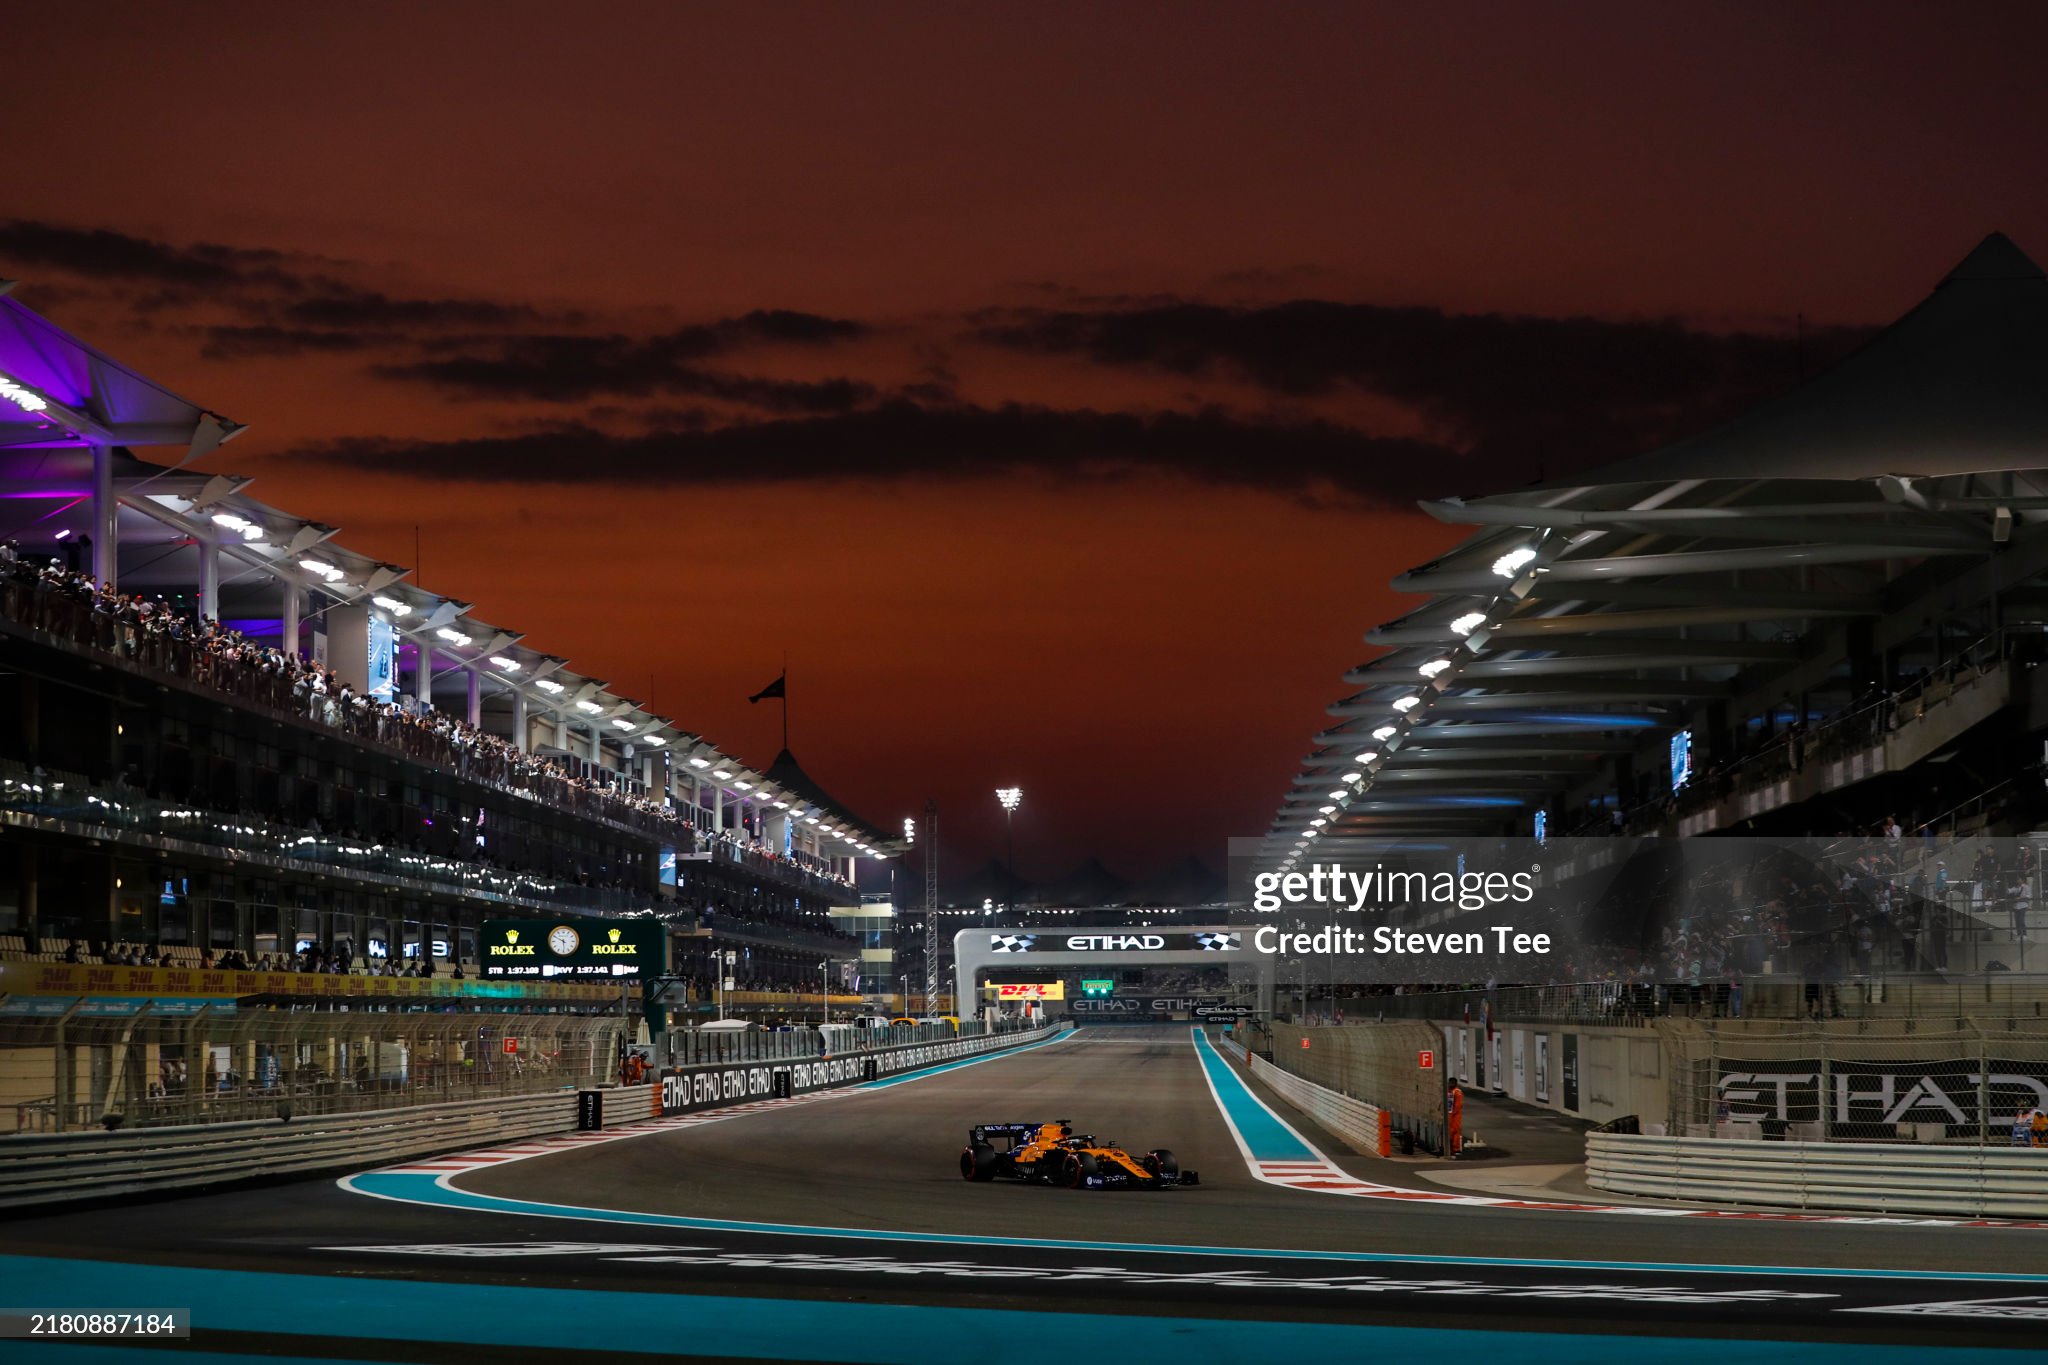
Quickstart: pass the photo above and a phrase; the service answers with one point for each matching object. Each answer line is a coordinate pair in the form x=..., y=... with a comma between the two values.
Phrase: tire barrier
x=1976, y=1182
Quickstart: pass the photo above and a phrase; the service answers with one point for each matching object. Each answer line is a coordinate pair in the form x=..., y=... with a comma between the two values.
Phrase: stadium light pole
x=1011, y=797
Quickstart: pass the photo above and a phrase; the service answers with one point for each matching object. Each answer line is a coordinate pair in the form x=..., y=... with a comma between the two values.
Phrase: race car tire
x=978, y=1162
x=1074, y=1172
x=1161, y=1164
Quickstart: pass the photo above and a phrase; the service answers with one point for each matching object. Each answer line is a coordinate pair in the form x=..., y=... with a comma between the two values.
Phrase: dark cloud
x=118, y=255
x=1560, y=391
x=268, y=341
x=567, y=367
x=286, y=291
x=339, y=306
x=901, y=440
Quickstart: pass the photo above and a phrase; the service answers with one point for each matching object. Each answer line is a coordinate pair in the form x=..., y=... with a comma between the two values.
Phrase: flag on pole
x=774, y=689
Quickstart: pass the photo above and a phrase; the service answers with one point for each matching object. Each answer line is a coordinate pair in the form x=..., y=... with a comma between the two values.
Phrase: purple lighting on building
x=46, y=493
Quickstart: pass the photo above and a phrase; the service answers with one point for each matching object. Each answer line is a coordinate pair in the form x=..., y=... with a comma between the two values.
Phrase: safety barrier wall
x=1980, y=1182
x=1363, y=1127
x=1379, y=1064
x=683, y=1089
x=56, y=1168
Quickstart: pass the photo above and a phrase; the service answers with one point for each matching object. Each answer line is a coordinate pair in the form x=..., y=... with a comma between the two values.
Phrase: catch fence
x=1951, y=1081
x=147, y=1069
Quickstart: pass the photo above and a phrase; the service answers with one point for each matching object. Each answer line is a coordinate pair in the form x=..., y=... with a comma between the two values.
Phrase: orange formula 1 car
x=1054, y=1154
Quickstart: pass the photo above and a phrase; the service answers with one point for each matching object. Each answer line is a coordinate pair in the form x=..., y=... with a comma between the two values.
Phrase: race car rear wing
x=1015, y=1132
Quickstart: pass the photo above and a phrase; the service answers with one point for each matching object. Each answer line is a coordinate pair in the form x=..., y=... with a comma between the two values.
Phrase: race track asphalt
x=735, y=1238
x=888, y=1159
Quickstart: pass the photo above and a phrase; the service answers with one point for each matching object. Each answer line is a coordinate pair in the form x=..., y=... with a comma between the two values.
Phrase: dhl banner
x=1031, y=990
x=83, y=979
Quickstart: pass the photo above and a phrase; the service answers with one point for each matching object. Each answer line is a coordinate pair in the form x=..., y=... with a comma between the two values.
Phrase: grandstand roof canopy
x=60, y=399
x=56, y=391
x=1959, y=385
x=1589, y=616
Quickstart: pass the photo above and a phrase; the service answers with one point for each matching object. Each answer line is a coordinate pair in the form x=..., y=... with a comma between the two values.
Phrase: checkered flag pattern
x=1218, y=943
x=1012, y=943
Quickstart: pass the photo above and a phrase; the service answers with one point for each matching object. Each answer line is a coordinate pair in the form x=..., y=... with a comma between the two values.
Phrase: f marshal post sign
x=572, y=948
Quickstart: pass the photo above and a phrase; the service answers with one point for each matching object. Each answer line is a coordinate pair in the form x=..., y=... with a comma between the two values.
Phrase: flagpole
x=785, y=701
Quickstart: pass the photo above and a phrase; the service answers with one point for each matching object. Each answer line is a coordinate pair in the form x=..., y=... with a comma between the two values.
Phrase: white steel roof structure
x=68, y=417
x=1588, y=617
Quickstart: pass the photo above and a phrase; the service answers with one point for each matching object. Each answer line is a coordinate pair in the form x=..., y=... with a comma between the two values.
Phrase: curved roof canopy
x=1588, y=616
x=1958, y=385
x=56, y=391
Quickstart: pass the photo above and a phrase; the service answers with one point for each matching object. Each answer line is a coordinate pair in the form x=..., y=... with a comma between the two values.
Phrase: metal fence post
x=61, y=1077
x=1827, y=1088
x=1983, y=1085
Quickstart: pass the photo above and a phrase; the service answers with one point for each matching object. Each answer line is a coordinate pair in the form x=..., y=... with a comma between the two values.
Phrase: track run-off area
x=835, y=1227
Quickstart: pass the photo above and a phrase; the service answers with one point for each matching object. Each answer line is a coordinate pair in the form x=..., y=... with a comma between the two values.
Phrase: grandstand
x=1824, y=620
x=228, y=740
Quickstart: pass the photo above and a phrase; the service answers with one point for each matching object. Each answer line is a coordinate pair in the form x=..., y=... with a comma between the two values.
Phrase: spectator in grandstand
x=2018, y=894
x=66, y=602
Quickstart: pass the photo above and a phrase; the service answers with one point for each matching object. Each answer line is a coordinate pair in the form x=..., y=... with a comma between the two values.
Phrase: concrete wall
x=1619, y=1071
x=1376, y=1063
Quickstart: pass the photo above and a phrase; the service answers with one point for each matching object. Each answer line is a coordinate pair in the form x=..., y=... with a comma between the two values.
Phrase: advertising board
x=572, y=949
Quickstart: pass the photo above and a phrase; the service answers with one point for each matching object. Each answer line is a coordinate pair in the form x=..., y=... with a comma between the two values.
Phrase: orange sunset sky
x=1051, y=384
